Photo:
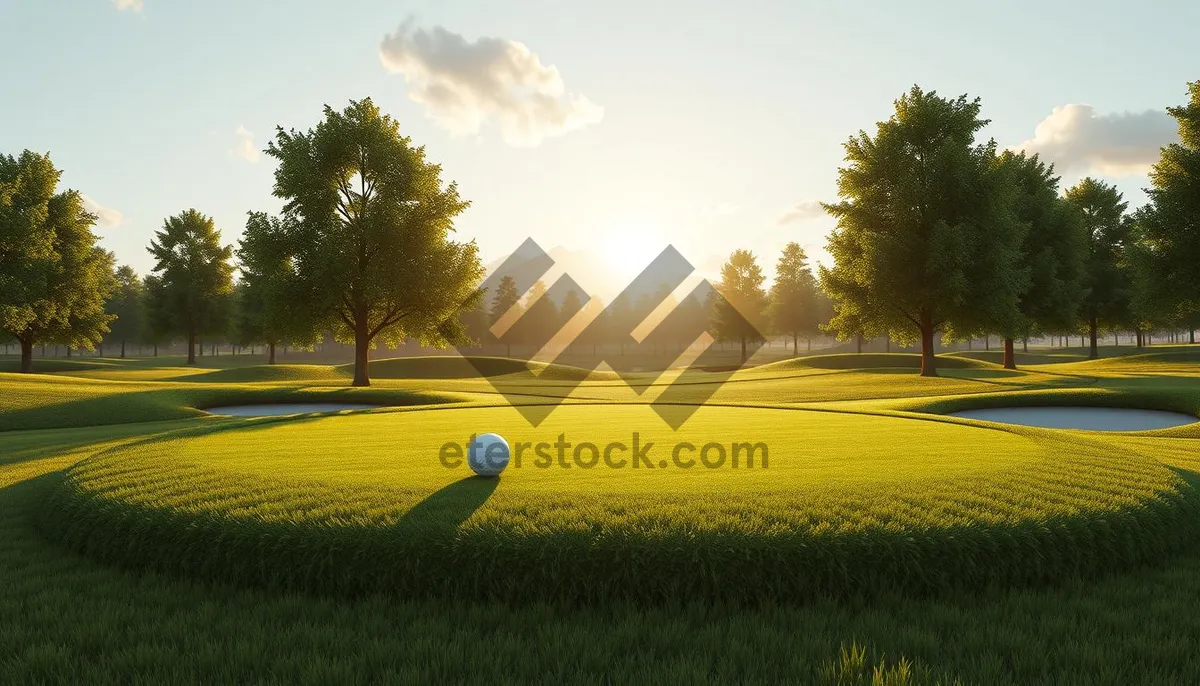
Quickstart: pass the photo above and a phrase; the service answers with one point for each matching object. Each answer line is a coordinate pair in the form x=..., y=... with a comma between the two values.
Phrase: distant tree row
x=940, y=234
x=937, y=235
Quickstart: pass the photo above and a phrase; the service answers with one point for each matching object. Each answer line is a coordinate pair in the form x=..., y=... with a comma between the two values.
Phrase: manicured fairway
x=982, y=553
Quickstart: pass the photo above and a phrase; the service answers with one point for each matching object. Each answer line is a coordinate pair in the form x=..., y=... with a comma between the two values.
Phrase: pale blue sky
x=717, y=116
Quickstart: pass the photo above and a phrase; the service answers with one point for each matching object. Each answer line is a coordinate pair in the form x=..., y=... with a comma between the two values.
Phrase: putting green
x=847, y=503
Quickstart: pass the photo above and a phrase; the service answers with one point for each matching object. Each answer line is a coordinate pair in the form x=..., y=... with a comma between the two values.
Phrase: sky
x=604, y=130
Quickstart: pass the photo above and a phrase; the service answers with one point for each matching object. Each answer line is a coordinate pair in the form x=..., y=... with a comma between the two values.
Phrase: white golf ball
x=488, y=454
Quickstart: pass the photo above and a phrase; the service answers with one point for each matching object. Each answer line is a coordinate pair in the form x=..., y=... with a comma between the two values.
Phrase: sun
x=629, y=246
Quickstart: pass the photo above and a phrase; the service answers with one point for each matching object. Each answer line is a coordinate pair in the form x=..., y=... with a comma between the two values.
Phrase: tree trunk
x=68, y=352
x=1138, y=337
x=1191, y=335
x=100, y=350
x=858, y=341
x=743, y=350
x=1010, y=359
x=122, y=350
x=887, y=343
x=810, y=343
x=928, y=364
x=156, y=350
x=795, y=344
x=271, y=353
x=26, y=357
x=191, y=355
x=1025, y=344
x=1094, y=351
x=362, y=354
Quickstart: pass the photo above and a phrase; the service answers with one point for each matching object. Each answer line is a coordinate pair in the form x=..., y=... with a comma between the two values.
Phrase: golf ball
x=488, y=454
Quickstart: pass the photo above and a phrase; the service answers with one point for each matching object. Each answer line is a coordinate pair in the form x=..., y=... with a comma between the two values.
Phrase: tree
x=127, y=308
x=540, y=322
x=476, y=320
x=926, y=240
x=506, y=298
x=1170, y=224
x=371, y=244
x=794, y=296
x=194, y=278
x=738, y=315
x=1053, y=250
x=54, y=279
x=1100, y=210
x=571, y=304
x=268, y=293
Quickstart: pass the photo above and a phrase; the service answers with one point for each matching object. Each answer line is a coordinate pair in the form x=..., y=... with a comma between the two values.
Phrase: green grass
x=329, y=549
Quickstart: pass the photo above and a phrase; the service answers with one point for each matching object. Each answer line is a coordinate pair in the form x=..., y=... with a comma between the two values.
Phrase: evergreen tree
x=194, y=279
x=739, y=314
x=793, y=296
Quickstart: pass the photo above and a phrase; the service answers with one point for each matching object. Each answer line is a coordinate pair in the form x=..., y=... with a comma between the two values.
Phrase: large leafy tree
x=54, y=279
x=268, y=292
x=1054, y=249
x=926, y=240
x=739, y=315
x=793, y=296
x=194, y=279
x=1100, y=209
x=127, y=308
x=371, y=248
x=1170, y=224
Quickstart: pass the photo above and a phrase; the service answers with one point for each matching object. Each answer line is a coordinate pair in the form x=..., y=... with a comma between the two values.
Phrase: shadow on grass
x=443, y=511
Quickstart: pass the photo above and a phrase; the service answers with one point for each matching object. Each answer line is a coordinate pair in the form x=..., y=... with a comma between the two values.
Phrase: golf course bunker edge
x=282, y=409
x=1080, y=417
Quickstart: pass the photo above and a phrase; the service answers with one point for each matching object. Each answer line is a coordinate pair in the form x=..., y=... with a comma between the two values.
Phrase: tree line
x=938, y=235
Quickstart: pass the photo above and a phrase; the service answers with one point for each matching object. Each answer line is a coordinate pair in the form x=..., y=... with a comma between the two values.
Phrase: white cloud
x=105, y=216
x=245, y=148
x=133, y=5
x=465, y=84
x=1075, y=137
x=801, y=211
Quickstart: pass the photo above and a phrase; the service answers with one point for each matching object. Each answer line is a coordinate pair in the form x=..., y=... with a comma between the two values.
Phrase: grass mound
x=1022, y=358
x=271, y=373
x=871, y=361
x=49, y=402
x=849, y=504
x=457, y=367
x=53, y=365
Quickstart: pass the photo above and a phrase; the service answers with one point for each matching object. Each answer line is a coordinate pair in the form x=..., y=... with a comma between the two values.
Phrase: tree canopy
x=1169, y=226
x=740, y=313
x=926, y=239
x=1053, y=250
x=1100, y=209
x=193, y=282
x=268, y=292
x=370, y=247
x=54, y=278
x=794, y=307
x=127, y=307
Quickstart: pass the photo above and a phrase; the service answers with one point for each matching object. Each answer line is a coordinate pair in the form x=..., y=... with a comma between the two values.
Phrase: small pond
x=1088, y=418
x=278, y=409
